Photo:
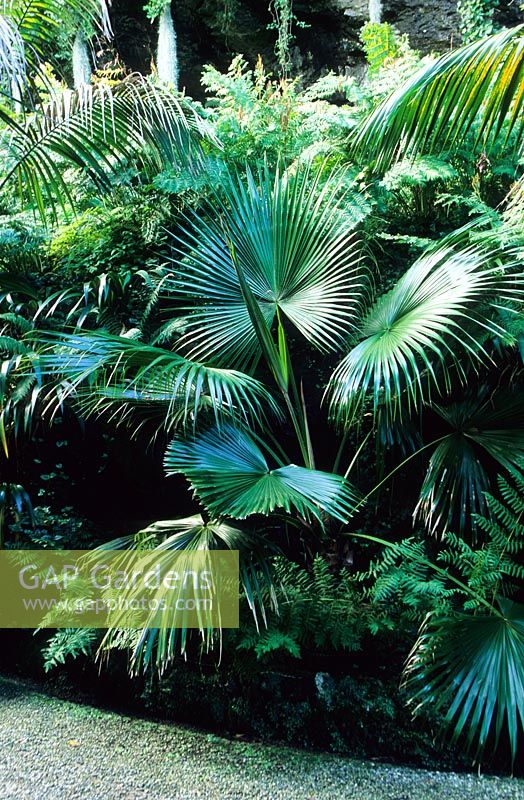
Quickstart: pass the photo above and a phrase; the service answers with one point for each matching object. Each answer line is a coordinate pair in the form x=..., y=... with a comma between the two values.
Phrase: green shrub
x=125, y=238
x=257, y=117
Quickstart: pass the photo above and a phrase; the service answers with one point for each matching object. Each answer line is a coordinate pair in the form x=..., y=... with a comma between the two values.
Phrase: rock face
x=329, y=40
x=431, y=25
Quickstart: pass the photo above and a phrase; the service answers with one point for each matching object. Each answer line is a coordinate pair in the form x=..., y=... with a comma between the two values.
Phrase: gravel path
x=56, y=750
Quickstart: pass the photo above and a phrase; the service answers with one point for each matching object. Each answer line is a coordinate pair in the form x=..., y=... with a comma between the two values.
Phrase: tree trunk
x=167, y=56
x=375, y=10
x=81, y=61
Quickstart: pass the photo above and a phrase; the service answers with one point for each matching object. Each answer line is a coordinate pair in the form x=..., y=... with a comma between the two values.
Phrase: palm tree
x=81, y=61
x=269, y=269
x=167, y=52
x=28, y=31
x=95, y=129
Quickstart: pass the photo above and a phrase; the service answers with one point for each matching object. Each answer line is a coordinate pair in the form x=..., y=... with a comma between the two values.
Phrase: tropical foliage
x=319, y=337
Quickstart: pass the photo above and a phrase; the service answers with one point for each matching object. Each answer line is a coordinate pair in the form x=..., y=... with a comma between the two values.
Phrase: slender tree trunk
x=16, y=95
x=375, y=10
x=81, y=61
x=167, y=56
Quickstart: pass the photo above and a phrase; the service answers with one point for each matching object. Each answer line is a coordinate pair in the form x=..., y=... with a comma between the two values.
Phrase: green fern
x=466, y=575
x=496, y=568
x=68, y=643
x=401, y=577
x=317, y=609
x=380, y=43
x=268, y=642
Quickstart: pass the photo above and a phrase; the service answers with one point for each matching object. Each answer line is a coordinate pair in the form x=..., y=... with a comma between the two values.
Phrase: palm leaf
x=231, y=476
x=420, y=334
x=456, y=478
x=473, y=667
x=108, y=371
x=479, y=88
x=290, y=244
x=192, y=534
x=100, y=130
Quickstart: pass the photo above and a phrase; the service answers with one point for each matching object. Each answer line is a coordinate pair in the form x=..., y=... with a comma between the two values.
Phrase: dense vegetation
x=302, y=303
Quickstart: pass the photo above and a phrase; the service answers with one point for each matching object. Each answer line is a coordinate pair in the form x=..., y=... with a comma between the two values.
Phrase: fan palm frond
x=423, y=331
x=231, y=476
x=298, y=258
x=105, y=370
x=456, y=478
x=472, y=668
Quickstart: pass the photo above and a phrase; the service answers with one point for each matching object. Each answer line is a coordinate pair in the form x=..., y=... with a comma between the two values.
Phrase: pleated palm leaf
x=471, y=667
x=112, y=372
x=231, y=476
x=474, y=90
x=420, y=336
x=157, y=646
x=484, y=428
x=285, y=236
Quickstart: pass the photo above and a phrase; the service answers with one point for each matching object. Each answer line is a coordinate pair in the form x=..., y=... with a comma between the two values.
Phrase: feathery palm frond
x=479, y=88
x=100, y=130
x=33, y=25
x=12, y=56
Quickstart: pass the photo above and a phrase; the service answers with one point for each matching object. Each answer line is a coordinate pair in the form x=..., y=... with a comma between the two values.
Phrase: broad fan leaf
x=231, y=476
x=483, y=428
x=292, y=247
x=108, y=372
x=478, y=88
x=422, y=332
x=472, y=667
x=159, y=646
